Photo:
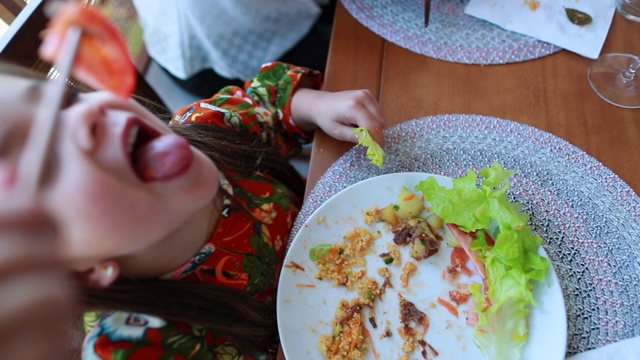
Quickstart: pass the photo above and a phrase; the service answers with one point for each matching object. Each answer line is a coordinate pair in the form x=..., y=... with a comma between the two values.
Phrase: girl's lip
x=133, y=128
x=154, y=155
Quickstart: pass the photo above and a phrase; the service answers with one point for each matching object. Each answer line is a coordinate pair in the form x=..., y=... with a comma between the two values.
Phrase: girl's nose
x=84, y=123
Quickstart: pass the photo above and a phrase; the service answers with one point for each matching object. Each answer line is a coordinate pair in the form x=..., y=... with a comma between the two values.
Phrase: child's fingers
x=373, y=107
x=27, y=240
x=30, y=296
x=347, y=110
x=373, y=123
x=37, y=299
x=369, y=115
x=42, y=333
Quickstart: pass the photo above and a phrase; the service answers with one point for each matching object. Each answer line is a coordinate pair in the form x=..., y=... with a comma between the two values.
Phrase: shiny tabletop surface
x=551, y=93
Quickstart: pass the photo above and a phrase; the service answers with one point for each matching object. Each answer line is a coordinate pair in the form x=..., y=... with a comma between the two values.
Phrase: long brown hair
x=241, y=152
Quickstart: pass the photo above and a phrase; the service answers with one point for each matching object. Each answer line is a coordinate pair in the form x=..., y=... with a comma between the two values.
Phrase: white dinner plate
x=305, y=313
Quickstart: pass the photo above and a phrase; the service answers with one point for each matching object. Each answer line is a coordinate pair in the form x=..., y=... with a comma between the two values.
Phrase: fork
x=39, y=142
x=427, y=11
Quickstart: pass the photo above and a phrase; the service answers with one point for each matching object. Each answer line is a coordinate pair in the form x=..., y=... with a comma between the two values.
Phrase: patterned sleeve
x=263, y=107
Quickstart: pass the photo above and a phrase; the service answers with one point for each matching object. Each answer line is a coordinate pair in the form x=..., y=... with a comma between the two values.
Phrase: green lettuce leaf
x=374, y=151
x=512, y=262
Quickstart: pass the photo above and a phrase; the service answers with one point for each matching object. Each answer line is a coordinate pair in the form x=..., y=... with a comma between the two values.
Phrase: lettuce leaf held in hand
x=374, y=151
x=512, y=262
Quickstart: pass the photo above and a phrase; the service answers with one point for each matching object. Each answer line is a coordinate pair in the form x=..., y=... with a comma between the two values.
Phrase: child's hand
x=338, y=113
x=35, y=311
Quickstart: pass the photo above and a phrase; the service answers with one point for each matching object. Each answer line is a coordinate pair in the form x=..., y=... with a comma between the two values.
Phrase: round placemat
x=451, y=35
x=588, y=217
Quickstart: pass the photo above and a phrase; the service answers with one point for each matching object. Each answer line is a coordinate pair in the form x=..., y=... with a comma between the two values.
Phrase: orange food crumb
x=533, y=4
x=449, y=306
x=306, y=285
x=294, y=266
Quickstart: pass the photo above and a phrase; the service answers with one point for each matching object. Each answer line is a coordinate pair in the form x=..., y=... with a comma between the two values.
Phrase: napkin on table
x=547, y=20
x=628, y=349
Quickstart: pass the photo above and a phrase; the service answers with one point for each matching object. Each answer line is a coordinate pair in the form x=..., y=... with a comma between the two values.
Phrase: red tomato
x=459, y=296
x=103, y=60
x=459, y=258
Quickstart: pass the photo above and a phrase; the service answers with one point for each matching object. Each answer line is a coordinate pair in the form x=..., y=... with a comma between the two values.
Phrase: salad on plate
x=432, y=267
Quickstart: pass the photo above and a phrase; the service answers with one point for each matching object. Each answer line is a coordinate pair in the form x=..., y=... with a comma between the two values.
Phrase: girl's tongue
x=162, y=158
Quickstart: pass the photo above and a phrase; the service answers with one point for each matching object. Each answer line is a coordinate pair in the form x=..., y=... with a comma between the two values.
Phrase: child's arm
x=338, y=113
x=37, y=300
x=263, y=107
x=282, y=107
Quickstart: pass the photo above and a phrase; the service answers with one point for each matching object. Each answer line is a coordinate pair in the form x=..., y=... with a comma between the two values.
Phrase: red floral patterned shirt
x=242, y=254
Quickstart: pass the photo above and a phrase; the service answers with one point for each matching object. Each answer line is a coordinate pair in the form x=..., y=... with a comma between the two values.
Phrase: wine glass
x=630, y=9
x=613, y=77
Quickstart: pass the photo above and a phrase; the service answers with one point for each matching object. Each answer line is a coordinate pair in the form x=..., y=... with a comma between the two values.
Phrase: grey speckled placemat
x=589, y=218
x=451, y=35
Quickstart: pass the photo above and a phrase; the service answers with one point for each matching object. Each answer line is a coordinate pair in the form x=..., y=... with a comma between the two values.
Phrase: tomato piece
x=459, y=258
x=459, y=296
x=102, y=61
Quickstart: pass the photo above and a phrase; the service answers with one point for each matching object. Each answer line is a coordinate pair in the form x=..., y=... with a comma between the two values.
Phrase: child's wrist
x=302, y=105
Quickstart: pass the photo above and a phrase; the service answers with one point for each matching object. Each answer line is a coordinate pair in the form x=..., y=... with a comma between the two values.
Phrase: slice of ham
x=465, y=239
x=162, y=158
x=472, y=316
x=102, y=60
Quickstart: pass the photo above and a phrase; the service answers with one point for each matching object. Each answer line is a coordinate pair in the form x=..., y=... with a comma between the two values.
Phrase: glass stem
x=630, y=73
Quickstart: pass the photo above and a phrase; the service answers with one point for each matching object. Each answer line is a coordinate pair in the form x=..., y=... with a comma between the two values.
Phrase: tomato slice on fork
x=103, y=60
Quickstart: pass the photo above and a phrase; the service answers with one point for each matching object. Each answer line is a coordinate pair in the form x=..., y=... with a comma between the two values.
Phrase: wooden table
x=550, y=93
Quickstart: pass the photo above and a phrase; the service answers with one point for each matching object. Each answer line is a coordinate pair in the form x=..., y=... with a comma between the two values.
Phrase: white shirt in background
x=232, y=37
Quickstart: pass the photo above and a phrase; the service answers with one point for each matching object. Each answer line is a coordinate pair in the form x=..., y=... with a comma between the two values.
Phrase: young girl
x=178, y=232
